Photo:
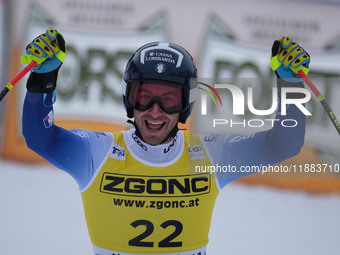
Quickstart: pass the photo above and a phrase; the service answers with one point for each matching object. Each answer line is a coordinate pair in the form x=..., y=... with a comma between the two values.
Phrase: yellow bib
x=133, y=207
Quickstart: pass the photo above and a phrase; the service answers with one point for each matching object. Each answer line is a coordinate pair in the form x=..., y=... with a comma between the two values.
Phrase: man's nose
x=155, y=109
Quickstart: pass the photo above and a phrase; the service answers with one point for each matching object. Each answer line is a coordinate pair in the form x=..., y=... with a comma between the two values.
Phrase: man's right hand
x=48, y=50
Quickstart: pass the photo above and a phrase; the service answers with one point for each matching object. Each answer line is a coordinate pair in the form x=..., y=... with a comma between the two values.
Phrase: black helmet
x=165, y=62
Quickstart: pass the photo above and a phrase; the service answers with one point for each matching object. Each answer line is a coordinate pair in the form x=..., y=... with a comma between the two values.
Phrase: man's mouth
x=154, y=125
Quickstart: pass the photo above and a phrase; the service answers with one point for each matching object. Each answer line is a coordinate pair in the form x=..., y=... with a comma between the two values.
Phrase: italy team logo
x=160, y=68
x=48, y=120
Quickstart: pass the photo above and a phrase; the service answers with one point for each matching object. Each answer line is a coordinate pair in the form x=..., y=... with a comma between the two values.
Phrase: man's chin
x=153, y=136
x=153, y=139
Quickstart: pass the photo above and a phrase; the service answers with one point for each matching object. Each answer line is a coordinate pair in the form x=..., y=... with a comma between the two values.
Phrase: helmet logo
x=160, y=68
x=161, y=56
x=162, y=52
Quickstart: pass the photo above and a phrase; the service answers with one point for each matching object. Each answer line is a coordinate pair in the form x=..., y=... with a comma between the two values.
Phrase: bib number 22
x=149, y=228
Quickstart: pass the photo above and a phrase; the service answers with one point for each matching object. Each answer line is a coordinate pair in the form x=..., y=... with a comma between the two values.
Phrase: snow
x=41, y=213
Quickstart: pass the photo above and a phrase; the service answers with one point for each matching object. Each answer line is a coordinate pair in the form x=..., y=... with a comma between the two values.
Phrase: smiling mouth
x=154, y=125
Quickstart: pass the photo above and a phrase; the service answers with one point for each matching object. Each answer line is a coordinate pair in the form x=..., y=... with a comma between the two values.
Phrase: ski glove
x=49, y=51
x=287, y=58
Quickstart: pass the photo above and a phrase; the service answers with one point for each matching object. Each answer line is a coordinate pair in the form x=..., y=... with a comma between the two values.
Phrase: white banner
x=89, y=81
x=227, y=39
x=247, y=66
x=3, y=37
x=3, y=59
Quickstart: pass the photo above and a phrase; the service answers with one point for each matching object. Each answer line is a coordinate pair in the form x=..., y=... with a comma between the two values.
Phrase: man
x=140, y=190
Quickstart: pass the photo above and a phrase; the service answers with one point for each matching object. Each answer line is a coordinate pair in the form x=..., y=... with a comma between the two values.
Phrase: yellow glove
x=48, y=50
x=287, y=58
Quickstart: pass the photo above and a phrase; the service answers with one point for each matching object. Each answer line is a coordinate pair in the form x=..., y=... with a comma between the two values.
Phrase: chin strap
x=170, y=136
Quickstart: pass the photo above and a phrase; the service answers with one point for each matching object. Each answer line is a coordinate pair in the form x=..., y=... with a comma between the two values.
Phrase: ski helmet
x=162, y=63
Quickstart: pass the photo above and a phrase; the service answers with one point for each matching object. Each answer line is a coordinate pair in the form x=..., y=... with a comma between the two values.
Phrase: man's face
x=154, y=124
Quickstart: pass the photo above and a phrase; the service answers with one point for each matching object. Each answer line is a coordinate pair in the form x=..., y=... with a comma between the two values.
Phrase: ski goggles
x=143, y=94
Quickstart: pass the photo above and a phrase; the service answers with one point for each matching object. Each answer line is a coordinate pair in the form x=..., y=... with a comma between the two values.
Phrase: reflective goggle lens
x=171, y=97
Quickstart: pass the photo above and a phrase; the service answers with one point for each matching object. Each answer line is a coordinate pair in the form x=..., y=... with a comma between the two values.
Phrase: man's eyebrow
x=144, y=90
x=173, y=92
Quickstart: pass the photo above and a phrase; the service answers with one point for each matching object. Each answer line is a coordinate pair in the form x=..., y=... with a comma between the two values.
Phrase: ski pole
x=322, y=100
x=17, y=78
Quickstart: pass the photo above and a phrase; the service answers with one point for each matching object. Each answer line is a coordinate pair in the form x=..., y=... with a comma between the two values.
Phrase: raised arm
x=259, y=150
x=71, y=151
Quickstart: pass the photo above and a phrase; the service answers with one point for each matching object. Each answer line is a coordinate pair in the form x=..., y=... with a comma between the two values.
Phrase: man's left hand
x=287, y=58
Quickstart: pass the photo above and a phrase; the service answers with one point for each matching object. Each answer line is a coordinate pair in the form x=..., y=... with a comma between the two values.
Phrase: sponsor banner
x=3, y=65
x=228, y=39
x=89, y=94
x=3, y=23
x=247, y=69
x=89, y=82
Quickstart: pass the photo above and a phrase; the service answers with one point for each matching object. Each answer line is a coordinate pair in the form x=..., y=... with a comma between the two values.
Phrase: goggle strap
x=193, y=94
